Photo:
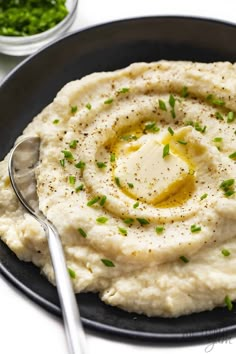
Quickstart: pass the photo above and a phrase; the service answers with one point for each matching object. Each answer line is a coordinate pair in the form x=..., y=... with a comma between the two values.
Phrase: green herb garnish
x=228, y=303
x=218, y=139
x=225, y=252
x=88, y=106
x=128, y=137
x=112, y=157
x=151, y=127
x=215, y=101
x=117, y=181
x=184, y=92
x=233, y=156
x=79, y=188
x=184, y=259
x=230, y=117
x=162, y=105
x=204, y=196
x=80, y=165
x=101, y=164
x=73, y=144
x=68, y=155
x=166, y=150
x=102, y=220
x=72, y=180
x=74, y=109
x=123, y=231
x=103, y=200
x=171, y=131
x=56, y=121
x=136, y=205
x=159, y=229
x=130, y=185
x=123, y=90
x=82, y=233
x=62, y=162
x=128, y=221
x=143, y=221
x=93, y=201
x=182, y=142
x=195, y=228
x=108, y=101
x=172, y=101
x=71, y=273
x=219, y=116
x=107, y=262
x=228, y=187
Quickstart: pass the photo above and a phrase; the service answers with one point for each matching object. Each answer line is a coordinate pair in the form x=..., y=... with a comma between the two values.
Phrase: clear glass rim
x=40, y=36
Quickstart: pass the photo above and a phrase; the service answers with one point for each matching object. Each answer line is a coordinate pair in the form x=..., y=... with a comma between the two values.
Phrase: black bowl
x=33, y=84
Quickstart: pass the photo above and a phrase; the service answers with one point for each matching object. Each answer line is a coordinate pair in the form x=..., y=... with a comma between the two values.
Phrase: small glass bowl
x=18, y=46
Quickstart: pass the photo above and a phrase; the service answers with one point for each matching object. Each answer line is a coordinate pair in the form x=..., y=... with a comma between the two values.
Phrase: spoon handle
x=73, y=327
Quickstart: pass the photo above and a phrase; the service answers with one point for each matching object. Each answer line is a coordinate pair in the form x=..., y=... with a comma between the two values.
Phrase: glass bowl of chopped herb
x=27, y=25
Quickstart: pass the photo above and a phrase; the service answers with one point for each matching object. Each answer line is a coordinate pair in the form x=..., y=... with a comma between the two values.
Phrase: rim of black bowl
x=169, y=338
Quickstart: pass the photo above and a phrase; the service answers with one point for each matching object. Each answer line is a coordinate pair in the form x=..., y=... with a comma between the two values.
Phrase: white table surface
x=25, y=328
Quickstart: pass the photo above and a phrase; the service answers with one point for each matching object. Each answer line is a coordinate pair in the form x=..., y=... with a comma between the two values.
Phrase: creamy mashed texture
x=137, y=172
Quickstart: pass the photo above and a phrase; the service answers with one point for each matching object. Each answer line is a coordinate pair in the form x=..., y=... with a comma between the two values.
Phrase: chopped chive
x=93, y=201
x=172, y=101
x=56, y=121
x=184, y=259
x=215, y=101
x=123, y=90
x=229, y=193
x=225, y=252
x=88, y=106
x=204, y=196
x=117, y=180
x=184, y=92
x=128, y=137
x=62, y=163
x=195, y=228
x=101, y=164
x=123, y=231
x=68, y=155
x=218, y=139
x=102, y=220
x=228, y=303
x=182, y=142
x=108, y=101
x=230, y=117
x=130, y=185
x=112, y=157
x=172, y=111
x=151, y=127
x=72, y=180
x=162, y=105
x=74, y=109
x=128, y=221
x=73, y=144
x=82, y=232
x=143, y=221
x=80, y=165
x=71, y=273
x=233, y=156
x=166, y=150
x=79, y=188
x=107, y=262
x=219, y=116
x=159, y=229
x=136, y=205
x=227, y=183
x=171, y=131
x=103, y=200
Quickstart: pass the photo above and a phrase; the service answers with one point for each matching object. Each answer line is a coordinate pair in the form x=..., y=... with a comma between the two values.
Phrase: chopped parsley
x=73, y=144
x=80, y=165
x=159, y=229
x=103, y=200
x=102, y=219
x=128, y=221
x=72, y=180
x=162, y=105
x=107, y=262
x=93, y=201
x=233, y=156
x=88, y=106
x=151, y=127
x=62, y=162
x=108, y=101
x=74, y=109
x=123, y=90
x=136, y=205
x=79, y=188
x=195, y=228
x=184, y=259
x=143, y=221
x=182, y=142
x=166, y=150
x=82, y=232
x=56, y=121
x=228, y=303
x=117, y=181
x=68, y=155
x=112, y=157
x=225, y=252
x=130, y=185
x=230, y=117
x=204, y=196
x=184, y=92
x=101, y=164
x=171, y=131
x=123, y=231
x=71, y=273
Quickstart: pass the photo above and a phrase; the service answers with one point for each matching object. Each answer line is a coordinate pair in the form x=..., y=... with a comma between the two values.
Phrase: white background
x=26, y=328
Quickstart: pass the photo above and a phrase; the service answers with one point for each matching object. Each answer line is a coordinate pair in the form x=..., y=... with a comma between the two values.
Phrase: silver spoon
x=22, y=162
